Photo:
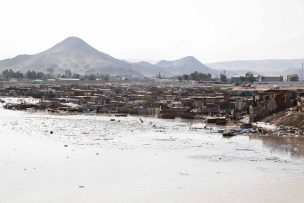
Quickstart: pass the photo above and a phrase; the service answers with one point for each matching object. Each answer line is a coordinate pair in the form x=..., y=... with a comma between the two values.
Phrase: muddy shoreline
x=90, y=158
x=260, y=128
x=269, y=126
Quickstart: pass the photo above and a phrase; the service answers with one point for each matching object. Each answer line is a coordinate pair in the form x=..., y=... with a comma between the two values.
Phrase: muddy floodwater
x=97, y=158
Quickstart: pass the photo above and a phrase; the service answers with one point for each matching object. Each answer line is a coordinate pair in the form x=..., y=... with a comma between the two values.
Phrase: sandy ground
x=89, y=158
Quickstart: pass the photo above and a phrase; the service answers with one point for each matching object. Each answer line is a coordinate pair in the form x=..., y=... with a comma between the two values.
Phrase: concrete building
x=271, y=79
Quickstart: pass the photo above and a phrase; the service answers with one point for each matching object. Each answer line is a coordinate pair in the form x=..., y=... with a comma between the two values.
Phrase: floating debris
x=228, y=134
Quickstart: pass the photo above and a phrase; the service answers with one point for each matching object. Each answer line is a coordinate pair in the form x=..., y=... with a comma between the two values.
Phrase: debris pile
x=287, y=118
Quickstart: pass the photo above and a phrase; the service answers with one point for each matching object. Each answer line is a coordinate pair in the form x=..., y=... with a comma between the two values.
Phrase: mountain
x=184, y=65
x=148, y=69
x=262, y=66
x=71, y=54
x=76, y=55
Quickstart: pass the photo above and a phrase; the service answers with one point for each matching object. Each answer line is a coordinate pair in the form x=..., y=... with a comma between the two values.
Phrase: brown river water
x=89, y=158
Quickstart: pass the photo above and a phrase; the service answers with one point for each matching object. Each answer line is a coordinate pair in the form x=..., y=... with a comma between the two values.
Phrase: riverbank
x=291, y=119
x=284, y=123
x=92, y=159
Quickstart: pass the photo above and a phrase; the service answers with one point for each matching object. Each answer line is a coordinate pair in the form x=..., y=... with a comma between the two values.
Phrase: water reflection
x=290, y=145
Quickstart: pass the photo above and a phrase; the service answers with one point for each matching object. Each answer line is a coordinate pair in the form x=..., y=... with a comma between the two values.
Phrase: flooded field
x=97, y=158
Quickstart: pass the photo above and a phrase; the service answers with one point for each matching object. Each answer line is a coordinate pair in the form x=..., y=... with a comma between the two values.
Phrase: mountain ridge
x=258, y=65
x=78, y=56
x=185, y=65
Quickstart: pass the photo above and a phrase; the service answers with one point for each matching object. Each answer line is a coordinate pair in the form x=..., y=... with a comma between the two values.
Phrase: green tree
x=106, y=77
x=68, y=73
x=19, y=75
x=250, y=77
x=186, y=77
x=223, y=77
x=50, y=70
x=92, y=77
x=31, y=75
x=294, y=77
x=159, y=76
x=5, y=73
x=40, y=75
x=242, y=79
x=76, y=75
x=149, y=100
x=194, y=76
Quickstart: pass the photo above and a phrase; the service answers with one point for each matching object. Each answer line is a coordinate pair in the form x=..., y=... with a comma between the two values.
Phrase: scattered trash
x=218, y=120
x=228, y=134
x=198, y=126
x=121, y=115
x=241, y=149
x=248, y=130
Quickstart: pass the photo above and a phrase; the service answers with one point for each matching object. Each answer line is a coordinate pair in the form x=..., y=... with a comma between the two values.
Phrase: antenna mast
x=302, y=71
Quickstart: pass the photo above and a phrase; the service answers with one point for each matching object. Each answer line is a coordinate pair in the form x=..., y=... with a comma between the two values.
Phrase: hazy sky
x=211, y=30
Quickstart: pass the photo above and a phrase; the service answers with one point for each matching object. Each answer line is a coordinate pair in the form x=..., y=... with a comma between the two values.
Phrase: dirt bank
x=288, y=118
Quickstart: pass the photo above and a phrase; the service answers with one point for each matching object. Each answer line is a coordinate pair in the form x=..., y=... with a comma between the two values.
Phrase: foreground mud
x=89, y=158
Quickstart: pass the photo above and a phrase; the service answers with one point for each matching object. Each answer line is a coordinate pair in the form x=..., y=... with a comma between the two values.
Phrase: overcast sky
x=210, y=30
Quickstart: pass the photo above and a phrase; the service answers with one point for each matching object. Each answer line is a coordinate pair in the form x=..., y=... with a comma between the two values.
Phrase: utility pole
x=302, y=71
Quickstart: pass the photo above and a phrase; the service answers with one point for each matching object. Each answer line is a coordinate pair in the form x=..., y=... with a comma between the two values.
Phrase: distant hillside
x=148, y=69
x=73, y=54
x=262, y=66
x=76, y=55
x=185, y=65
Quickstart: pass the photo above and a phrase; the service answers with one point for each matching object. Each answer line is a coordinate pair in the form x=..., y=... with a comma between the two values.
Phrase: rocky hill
x=71, y=54
x=185, y=65
x=76, y=55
